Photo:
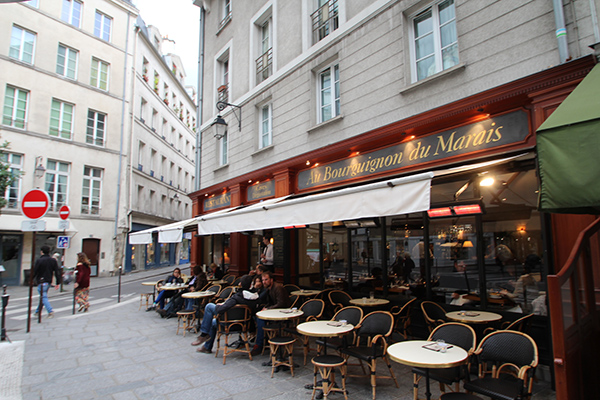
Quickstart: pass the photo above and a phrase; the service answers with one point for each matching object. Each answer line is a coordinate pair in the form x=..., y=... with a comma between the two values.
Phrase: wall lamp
x=220, y=127
x=39, y=170
x=221, y=105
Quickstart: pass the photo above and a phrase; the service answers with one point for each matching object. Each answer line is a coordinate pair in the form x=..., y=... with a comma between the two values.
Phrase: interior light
x=307, y=162
x=489, y=181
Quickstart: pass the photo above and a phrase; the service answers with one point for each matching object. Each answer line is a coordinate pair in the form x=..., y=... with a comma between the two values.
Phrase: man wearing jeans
x=43, y=269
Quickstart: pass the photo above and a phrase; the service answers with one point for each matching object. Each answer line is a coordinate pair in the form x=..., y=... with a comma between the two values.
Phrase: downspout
x=561, y=31
x=123, y=103
x=200, y=97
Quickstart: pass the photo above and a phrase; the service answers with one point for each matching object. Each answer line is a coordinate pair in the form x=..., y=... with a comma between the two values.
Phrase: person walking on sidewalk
x=82, y=285
x=43, y=269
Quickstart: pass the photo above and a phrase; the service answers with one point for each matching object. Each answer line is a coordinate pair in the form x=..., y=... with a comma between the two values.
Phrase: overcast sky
x=177, y=19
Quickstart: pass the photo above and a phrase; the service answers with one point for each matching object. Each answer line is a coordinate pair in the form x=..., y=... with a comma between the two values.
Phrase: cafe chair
x=459, y=396
x=507, y=362
x=294, y=300
x=237, y=282
x=236, y=320
x=290, y=287
x=325, y=366
x=351, y=315
x=229, y=279
x=147, y=297
x=372, y=333
x=186, y=319
x=224, y=294
x=434, y=314
x=312, y=309
x=520, y=325
x=456, y=334
x=329, y=309
x=339, y=299
x=402, y=318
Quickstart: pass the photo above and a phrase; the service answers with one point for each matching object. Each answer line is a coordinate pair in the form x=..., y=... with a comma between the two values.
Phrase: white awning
x=391, y=197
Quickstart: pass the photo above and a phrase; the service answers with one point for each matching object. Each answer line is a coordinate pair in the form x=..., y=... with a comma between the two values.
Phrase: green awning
x=568, y=146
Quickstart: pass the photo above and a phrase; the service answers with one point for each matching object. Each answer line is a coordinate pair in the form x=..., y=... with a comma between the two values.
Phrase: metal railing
x=264, y=66
x=325, y=20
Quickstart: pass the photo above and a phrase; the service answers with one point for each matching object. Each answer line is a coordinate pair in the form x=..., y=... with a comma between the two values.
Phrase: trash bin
x=26, y=273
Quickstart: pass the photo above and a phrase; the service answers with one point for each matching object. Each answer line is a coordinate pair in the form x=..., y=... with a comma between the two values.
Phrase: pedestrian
x=43, y=269
x=82, y=284
x=266, y=257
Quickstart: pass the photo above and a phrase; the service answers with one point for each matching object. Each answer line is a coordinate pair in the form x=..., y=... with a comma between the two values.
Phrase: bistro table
x=153, y=284
x=306, y=293
x=278, y=314
x=197, y=295
x=473, y=317
x=414, y=354
x=172, y=287
x=365, y=302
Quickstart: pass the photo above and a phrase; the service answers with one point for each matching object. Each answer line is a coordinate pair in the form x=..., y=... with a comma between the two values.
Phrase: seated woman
x=175, y=278
x=215, y=272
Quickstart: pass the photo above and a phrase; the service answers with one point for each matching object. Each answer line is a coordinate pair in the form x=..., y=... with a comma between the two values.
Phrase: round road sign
x=64, y=212
x=35, y=204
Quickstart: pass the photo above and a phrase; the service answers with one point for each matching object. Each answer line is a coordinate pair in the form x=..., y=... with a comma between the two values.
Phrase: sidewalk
x=117, y=352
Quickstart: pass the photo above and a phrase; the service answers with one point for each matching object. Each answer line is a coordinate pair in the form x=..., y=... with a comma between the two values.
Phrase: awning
x=568, y=144
x=10, y=222
x=390, y=197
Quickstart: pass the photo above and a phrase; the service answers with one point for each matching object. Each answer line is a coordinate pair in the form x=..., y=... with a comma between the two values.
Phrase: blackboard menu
x=278, y=257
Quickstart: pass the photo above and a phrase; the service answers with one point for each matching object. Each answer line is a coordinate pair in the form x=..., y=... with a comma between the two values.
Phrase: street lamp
x=220, y=127
x=39, y=170
x=221, y=105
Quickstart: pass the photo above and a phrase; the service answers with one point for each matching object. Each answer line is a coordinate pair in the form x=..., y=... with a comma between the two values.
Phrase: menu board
x=278, y=258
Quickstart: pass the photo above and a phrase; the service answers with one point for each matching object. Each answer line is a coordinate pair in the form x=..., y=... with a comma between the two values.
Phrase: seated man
x=174, y=278
x=277, y=297
x=249, y=295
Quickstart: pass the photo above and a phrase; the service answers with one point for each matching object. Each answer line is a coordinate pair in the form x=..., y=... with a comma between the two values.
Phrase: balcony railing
x=325, y=20
x=223, y=93
x=264, y=66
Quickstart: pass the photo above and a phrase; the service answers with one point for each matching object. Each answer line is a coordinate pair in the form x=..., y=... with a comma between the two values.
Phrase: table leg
x=427, y=389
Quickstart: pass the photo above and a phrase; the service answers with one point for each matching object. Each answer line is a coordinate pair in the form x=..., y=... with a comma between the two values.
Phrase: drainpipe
x=561, y=31
x=200, y=97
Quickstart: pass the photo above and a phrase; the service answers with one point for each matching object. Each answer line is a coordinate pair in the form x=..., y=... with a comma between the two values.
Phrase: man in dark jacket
x=43, y=269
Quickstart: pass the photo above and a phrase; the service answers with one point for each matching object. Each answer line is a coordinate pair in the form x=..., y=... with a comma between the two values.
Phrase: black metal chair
x=290, y=287
x=520, y=325
x=224, y=294
x=434, y=314
x=229, y=279
x=371, y=344
x=457, y=334
x=352, y=315
x=339, y=299
x=507, y=362
x=402, y=318
x=236, y=320
x=312, y=309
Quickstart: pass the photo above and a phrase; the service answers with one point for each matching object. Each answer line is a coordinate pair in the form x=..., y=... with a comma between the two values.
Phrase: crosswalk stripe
x=23, y=310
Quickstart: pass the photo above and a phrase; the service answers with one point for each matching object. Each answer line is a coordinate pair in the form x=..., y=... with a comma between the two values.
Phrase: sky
x=177, y=19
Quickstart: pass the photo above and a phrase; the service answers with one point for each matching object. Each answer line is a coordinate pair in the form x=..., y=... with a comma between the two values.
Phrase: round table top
x=305, y=292
x=217, y=282
x=324, y=328
x=365, y=302
x=474, y=317
x=412, y=353
x=197, y=295
x=150, y=283
x=278, y=314
x=177, y=287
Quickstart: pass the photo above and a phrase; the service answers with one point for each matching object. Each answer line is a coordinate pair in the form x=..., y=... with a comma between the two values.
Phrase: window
x=66, y=62
x=154, y=120
x=265, y=138
x=91, y=190
x=152, y=161
x=141, y=149
x=32, y=3
x=22, y=45
x=15, y=107
x=223, y=150
x=143, y=106
x=96, y=125
x=15, y=166
x=71, y=12
x=329, y=93
x=435, y=43
x=57, y=183
x=264, y=62
x=225, y=12
x=102, y=26
x=325, y=19
x=223, y=77
x=99, y=75
x=61, y=119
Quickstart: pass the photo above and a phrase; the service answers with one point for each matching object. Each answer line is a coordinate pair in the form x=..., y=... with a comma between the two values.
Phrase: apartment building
x=317, y=114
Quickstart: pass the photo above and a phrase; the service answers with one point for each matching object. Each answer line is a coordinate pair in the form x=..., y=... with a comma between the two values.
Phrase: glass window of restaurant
x=216, y=249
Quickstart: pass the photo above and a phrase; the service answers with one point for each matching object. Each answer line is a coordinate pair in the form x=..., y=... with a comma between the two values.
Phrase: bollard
x=119, y=296
x=5, y=297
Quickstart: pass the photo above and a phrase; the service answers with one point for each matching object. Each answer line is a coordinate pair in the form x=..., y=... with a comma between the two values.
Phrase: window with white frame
x=15, y=166
x=434, y=40
x=325, y=19
x=152, y=161
x=223, y=77
x=71, y=12
x=22, y=45
x=141, y=149
x=223, y=149
x=15, y=107
x=99, y=75
x=66, y=61
x=57, y=183
x=329, y=93
x=61, y=119
x=32, y=3
x=225, y=12
x=265, y=132
x=154, y=119
x=143, y=106
x=91, y=190
x=102, y=26
x=96, y=126
x=264, y=62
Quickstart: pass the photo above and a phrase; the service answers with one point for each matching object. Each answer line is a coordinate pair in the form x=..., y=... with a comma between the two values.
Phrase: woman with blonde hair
x=82, y=284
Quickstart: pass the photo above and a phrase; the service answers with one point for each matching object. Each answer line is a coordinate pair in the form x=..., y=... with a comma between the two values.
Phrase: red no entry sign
x=64, y=212
x=35, y=204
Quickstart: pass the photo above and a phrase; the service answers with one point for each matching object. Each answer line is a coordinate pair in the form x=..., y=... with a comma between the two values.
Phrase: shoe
x=51, y=315
x=162, y=313
x=80, y=308
x=204, y=350
x=256, y=350
x=151, y=308
x=85, y=310
x=35, y=314
x=201, y=339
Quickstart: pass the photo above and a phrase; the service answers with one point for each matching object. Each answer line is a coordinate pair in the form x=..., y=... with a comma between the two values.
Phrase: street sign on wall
x=64, y=212
x=35, y=204
x=63, y=242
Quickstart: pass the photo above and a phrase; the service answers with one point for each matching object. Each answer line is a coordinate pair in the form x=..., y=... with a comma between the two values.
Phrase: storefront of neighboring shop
x=479, y=231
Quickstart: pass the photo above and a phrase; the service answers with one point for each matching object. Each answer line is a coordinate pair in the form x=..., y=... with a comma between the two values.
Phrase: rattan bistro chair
x=434, y=314
x=520, y=325
x=236, y=320
x=371, y=344
x=402, y=318
x=339, y=299
x=352, y=315
x=312, y=309
x=457, y=334
x=507, y=362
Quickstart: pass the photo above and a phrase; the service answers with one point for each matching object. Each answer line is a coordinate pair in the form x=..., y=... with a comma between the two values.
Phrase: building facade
x=320, y=96
x=72, y=88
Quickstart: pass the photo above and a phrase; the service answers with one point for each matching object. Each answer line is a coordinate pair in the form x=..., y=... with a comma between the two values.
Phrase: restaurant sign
x=483, y=135
x=261, y=190
x=223, y=200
